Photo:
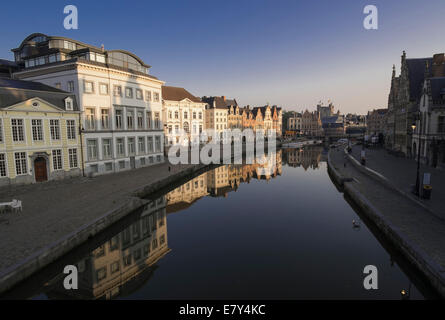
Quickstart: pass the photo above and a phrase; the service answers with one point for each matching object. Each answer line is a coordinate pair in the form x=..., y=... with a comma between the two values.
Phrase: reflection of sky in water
x=241, y=232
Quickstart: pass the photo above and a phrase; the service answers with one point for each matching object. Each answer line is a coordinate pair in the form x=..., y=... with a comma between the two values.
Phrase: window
x=69, y=104
x=105, y=118
x=170, y=129
x=103, y=88
x=69, y=45
x=37, y=130
x=88, y=86
x=120, y=148
x=90, y=119
x=118, y=116
x=156, y=97
x=1, y=130
x=108, y=166
x=54, y=129
x=141, y=145
x=117, y=91
x=71, y=129
x=158, y=143
x=101, y=273
x=70, y=86
x=92, y=149
x=2, y=165
x=131, y=146
x=194, y=115
x=441, y=124
x=157, y=120
x=106, y=146
x=148, y=120
x=128, y=92
x=176, y=115
x=57, y=159
x=58, y=85
x=150, y=144
x=169, y=114
x=114, y=267
x=200, y=115
x=130, y=121
x=186, y=127
x=20, y=163
x=148, y=95
x=139, y=95
x=127, y=260
x=140, y=120
x=185, y=115
x=72, y=155
x=121, y=164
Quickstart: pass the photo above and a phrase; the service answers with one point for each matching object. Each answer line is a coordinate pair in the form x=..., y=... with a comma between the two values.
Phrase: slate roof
x=437, y=88
x=332, y=119
x=177, y=94
x=220, y=102
x=15, y=91
x=416, y=72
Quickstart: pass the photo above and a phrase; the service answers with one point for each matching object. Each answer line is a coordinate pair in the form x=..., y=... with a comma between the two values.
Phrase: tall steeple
x=393, y=71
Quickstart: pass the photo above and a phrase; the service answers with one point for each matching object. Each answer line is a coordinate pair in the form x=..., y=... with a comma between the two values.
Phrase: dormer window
x=69, y=104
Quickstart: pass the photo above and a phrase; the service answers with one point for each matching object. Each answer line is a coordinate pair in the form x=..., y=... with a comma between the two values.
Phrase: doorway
x=40, y=169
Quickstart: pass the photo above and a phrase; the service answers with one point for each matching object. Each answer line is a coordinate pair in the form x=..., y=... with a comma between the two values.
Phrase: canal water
x=273, y=230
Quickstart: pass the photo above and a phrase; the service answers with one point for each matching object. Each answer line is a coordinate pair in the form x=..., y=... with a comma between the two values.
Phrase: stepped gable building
x=311, y=124
x=403, y=102
x=429, y=136
x=39, y=133
x=182, y=112
x=120, y=101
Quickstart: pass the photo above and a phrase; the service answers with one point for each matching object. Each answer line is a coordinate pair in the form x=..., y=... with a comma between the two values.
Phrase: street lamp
x=417, y=192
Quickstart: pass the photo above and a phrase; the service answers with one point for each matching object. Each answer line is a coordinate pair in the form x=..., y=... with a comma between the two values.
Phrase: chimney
x=102, y=47
x=438, y=67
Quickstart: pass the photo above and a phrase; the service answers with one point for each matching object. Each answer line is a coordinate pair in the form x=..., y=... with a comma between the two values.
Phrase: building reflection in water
x=222, y=180
x=127, y=261
x=308, y=157
x=122, y=264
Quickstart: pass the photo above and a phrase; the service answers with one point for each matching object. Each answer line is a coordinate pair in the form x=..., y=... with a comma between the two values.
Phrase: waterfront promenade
x=402, y=173
x=59, y=215
x=413, y=229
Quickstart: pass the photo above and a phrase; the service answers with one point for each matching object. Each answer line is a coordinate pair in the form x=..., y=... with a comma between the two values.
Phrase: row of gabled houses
x=69, y=108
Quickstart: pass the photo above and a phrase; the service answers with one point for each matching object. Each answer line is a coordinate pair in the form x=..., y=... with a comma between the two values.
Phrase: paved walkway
x=52, y=210
x=419, y=226
x=402, y=173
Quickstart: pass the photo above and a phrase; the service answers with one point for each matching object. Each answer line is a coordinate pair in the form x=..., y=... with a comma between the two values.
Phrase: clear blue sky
x=289, y=53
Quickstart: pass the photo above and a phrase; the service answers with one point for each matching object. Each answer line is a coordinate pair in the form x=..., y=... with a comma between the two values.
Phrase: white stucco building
x=183, y=113
x=120, y=102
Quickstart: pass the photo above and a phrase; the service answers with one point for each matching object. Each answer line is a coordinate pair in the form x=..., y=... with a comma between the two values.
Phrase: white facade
x=122, y=128
x=183, y=116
